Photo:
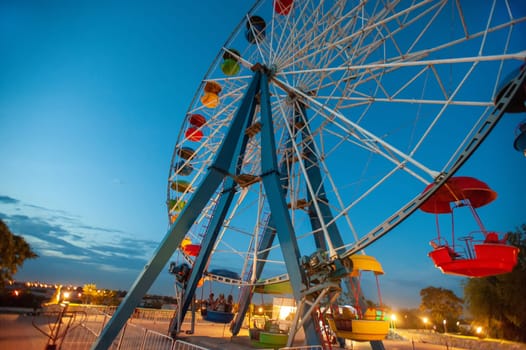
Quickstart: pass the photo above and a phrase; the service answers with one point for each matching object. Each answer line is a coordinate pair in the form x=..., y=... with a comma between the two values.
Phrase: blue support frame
x=266, y=242
x=280, y=213
x=227, y=163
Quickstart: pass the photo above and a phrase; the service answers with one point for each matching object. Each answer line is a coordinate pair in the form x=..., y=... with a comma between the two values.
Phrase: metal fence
x=77, y=328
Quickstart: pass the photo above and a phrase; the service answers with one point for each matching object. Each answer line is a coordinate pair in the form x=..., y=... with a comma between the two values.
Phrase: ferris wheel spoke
x=354, y=130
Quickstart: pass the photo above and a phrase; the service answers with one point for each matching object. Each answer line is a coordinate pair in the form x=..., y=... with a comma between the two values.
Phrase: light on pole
x=445, y=326
x=425, y=320
x=393, y=321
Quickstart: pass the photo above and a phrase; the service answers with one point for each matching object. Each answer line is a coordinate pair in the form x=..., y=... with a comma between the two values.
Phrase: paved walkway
x=18, y=333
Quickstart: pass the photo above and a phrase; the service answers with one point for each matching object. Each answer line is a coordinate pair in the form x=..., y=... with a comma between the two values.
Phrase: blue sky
x=92, y=97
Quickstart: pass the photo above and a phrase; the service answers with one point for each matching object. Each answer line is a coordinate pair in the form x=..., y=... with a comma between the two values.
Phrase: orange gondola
x=210, y=98
x=489, y=256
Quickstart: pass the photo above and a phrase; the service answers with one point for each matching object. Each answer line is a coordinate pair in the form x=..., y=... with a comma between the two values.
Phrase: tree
x=498, y=302
x=14, y=250
x=92, y=295
x=441, y=304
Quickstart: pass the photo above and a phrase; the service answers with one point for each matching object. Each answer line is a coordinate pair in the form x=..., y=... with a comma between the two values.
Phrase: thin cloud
x=8, y=200
x=71, y=248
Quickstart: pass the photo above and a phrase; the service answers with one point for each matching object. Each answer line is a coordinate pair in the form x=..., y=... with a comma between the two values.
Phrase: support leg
x=278, y=207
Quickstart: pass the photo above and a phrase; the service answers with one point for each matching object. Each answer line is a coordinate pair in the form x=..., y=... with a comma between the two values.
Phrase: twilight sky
x=92, y=97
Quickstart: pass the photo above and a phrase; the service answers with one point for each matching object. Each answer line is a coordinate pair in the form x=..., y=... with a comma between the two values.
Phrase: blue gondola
x=218, y=316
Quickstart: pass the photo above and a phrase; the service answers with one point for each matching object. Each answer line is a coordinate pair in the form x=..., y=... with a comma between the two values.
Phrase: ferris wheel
x=319, y=124
x=369, y=105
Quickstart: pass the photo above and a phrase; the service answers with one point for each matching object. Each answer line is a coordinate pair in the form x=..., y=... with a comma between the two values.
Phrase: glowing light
x=285, y=312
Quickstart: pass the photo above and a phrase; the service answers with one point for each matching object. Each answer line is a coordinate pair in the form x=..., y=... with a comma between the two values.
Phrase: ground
x=17, y=333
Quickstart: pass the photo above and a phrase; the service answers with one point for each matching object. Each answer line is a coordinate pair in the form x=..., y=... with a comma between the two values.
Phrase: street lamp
x=445, y=326
x=425, y=320
x=393, y=321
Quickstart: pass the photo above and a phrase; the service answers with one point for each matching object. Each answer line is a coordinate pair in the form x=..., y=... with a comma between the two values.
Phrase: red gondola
x=192, y=249
x=197, y=120
x=189, y=248
x=479, y=258
x=194, y=134
x=283, y=7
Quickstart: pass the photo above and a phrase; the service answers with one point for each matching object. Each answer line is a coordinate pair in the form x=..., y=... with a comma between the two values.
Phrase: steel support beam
x=280, y=214
x=266, y=242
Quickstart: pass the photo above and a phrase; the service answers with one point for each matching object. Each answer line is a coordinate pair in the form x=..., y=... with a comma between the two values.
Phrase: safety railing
x=135, y=335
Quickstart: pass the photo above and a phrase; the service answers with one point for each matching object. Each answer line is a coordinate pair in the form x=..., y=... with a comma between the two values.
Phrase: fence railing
x=135, y=335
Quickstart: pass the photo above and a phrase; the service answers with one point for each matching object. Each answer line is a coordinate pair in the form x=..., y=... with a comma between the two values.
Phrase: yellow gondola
x=368, y=326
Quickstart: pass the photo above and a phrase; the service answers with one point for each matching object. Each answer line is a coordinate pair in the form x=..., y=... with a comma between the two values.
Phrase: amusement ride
x=318, y=128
